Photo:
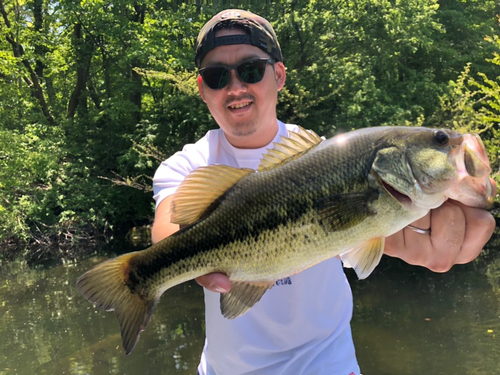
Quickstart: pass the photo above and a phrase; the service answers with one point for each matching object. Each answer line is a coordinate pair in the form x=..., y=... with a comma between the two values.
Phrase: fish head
x=423, y=167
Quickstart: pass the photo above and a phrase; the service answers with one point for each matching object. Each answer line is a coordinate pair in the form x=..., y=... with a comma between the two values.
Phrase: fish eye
x=442, y=138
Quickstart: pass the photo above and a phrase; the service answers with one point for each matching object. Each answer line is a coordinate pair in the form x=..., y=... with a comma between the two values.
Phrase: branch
x=130, y=182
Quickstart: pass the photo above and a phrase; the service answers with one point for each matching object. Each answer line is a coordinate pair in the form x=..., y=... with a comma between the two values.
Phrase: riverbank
x=55, y=249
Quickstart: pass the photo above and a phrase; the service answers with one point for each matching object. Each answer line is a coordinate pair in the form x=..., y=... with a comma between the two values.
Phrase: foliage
x=94, y=93
x=473, y=105
x=28, y=173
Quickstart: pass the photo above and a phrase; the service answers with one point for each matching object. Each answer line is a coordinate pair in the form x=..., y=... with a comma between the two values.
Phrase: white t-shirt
x=300, y=326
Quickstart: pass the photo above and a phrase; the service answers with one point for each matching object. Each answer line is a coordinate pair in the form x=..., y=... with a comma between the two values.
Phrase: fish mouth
x=404, y=199
x=473, y=186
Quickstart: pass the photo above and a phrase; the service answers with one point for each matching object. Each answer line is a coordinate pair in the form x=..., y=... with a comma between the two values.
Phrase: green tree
x=93, y=94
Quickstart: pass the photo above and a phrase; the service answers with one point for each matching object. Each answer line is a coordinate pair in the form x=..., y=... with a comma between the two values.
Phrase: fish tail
x=107, y=285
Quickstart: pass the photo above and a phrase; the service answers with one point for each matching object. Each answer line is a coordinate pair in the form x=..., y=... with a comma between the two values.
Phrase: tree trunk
x=77, y=102
x=40, y=49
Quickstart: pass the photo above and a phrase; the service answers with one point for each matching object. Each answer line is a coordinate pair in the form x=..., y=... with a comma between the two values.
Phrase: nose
x=235, y=85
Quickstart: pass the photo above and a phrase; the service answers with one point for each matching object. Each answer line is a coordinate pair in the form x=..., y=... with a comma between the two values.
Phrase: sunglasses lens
x=252, y=71
x=216, y=77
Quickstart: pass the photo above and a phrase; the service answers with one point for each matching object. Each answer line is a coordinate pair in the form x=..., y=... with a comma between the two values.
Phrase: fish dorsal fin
x=365, y=257
x=242, y=297
x=289, y=148
x=200, y=189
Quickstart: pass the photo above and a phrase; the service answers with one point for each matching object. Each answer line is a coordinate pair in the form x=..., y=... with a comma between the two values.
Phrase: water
x=412, y=321
x=407, y=320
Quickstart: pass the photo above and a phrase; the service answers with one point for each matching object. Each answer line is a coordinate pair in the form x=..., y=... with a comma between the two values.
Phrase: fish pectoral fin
x=364, y=258
x=342, y=211
x=200, y=189
x=105, y=286
x=241, y=298
x=289, y=148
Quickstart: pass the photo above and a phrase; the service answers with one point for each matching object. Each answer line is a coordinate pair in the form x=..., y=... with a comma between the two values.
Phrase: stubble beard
x=244, y=130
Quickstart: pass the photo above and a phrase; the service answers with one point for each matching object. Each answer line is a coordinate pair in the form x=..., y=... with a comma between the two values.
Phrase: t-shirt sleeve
x=172, y=171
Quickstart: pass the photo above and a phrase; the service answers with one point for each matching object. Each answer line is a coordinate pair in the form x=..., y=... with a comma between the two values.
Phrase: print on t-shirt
x=285, y=281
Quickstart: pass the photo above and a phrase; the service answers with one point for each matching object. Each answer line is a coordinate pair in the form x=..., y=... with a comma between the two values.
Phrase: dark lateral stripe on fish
x=261, y=216
x=186, y=248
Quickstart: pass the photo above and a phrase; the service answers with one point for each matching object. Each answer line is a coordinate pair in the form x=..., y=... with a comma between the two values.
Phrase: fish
x=310, y=200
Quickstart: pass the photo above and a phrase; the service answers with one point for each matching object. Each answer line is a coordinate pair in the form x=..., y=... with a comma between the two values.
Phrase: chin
x=243, y=130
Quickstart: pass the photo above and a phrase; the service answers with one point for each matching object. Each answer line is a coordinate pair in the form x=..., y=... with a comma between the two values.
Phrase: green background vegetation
x=94, y=94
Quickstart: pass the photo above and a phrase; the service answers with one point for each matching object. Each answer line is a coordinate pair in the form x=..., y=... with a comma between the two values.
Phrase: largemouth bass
x=310, y=200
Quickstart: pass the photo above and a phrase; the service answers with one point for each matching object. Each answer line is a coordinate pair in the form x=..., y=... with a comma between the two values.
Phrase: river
x=407, y=320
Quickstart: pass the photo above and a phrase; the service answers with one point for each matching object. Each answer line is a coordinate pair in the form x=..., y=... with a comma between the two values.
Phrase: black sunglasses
x=251, y=71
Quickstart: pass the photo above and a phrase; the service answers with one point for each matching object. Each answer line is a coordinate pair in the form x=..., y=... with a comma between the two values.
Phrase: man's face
x=245, y=112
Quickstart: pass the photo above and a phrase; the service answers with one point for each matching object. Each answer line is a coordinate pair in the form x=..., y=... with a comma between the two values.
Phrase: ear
x=199, y=81
x=280, y=74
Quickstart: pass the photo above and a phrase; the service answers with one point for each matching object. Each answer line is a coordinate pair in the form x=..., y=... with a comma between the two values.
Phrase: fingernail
x=217, y=289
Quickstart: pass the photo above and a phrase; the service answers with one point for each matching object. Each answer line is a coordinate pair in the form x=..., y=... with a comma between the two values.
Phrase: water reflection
x=407, y=320
x=47, y=328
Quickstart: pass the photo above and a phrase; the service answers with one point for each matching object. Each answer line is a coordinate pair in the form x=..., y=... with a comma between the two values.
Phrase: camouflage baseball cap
x=259, y=31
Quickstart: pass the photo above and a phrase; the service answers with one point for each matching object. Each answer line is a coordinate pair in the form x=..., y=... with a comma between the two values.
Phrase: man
x=302, y=325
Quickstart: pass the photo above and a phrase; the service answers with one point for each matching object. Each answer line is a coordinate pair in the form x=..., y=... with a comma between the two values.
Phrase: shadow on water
x=407, y=320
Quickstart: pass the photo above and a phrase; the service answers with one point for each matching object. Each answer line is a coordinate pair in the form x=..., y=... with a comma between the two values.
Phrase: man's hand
x=458, y=233
x=215, y=282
